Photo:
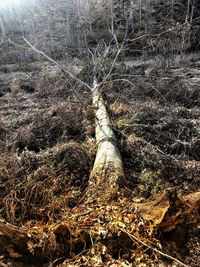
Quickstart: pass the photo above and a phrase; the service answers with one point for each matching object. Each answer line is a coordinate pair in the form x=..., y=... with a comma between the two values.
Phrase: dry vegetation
x=47, y=145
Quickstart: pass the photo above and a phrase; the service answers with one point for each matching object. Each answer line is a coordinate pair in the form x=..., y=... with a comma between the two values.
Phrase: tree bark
x=108, y=170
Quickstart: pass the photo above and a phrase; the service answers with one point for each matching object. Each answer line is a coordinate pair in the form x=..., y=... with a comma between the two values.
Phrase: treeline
x=66, y=28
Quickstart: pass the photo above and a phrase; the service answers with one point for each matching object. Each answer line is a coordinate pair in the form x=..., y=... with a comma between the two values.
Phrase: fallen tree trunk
x=107, y=170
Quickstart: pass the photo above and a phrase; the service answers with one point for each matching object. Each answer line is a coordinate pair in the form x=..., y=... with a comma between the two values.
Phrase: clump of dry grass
x=3, y=130
x=173, y=135
x=149, y=170
x=40, y=186
x=60, y=123
x=73, y=159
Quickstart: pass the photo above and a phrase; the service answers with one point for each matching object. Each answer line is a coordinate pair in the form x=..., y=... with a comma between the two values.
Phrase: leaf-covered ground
x=48, y=148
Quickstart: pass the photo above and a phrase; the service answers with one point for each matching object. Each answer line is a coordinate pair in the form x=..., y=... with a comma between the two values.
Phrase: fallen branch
x=58, y=65
x=35, y=244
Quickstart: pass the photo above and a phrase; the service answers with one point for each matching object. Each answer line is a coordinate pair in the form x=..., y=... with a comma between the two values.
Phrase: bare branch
x=56, y=63
x=134, y=238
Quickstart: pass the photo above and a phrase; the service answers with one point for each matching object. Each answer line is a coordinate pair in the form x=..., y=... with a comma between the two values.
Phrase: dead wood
x=13, y=233
x=171, y=210
x=64, y=70
x=34, y=245
x=166, y=213
x=108, y=167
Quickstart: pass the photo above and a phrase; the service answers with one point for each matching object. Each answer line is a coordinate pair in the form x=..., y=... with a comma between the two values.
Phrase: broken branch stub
x=36, y=244
x=14, y=233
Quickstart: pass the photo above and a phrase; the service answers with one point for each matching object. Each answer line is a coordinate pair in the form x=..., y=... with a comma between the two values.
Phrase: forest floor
x=47, y=149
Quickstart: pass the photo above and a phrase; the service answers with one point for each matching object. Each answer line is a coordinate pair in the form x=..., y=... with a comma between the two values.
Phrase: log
x=108, y=170
x=36, y=244
x=15, y=234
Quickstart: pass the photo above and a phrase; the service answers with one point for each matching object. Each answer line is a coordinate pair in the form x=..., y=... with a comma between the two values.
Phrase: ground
x=47, y=144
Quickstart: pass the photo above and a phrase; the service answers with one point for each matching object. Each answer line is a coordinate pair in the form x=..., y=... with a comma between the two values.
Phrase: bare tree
x=2, y=32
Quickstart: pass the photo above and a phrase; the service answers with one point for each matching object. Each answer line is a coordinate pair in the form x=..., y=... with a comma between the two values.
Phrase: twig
x=58, y=65
x=134, y=238
x=158, y=34
x=112, y=66
x=18, y=45
x=120, y=80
